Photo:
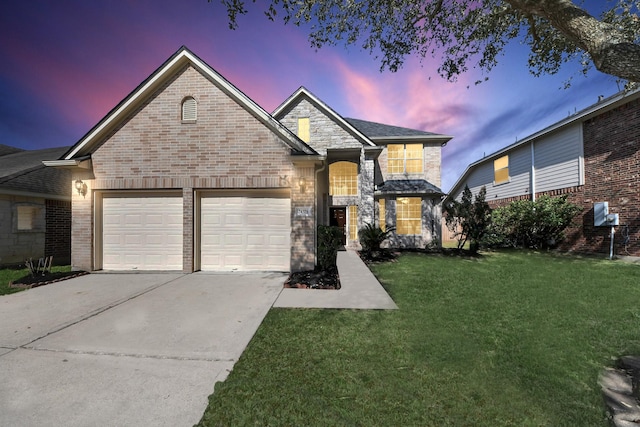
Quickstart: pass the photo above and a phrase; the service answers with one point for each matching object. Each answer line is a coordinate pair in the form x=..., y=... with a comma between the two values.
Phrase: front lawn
x=507, y=339
x=7, y=275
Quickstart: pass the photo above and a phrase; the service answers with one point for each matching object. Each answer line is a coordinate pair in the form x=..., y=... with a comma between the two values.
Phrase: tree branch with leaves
x=463, y=34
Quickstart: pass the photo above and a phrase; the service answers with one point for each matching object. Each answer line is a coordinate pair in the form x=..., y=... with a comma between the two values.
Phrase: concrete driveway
x=125, y=349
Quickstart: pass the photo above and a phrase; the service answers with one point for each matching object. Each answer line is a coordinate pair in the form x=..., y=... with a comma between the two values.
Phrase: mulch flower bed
x=313, y=280
x=28, y=282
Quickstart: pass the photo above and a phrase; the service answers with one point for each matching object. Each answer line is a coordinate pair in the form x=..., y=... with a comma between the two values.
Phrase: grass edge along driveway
x=509, y=339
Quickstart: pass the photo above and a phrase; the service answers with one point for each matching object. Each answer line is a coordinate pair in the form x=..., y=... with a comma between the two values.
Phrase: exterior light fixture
x=302, y=182
x=81, y=187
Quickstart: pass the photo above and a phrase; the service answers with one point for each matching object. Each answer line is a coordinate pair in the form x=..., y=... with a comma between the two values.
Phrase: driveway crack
x=134, y=355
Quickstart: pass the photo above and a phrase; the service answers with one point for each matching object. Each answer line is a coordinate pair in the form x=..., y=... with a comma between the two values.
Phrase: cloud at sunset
x=69, y=64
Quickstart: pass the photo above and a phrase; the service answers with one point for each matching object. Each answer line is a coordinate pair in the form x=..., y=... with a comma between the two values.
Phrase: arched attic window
x=189, y=109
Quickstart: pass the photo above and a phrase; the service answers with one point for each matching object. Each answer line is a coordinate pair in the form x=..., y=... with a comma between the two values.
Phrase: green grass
x=509, y=339
x=8, y=275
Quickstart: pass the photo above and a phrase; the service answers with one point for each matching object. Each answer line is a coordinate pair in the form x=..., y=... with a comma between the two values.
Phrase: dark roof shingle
x=23, y=171
x=379, y=130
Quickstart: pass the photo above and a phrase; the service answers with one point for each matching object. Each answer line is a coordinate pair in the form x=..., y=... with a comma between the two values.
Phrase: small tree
x=468, y=219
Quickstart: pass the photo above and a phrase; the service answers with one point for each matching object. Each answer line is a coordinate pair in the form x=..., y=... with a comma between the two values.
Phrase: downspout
x=315, y=209
x=533, y=173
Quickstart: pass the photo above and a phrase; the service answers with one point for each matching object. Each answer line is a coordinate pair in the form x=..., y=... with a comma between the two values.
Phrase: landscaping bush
x=371, y=237
x=329, y=241
x=529, y=224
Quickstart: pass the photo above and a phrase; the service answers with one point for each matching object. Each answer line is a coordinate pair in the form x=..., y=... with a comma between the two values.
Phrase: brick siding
x=57, y=241
x=225, y=148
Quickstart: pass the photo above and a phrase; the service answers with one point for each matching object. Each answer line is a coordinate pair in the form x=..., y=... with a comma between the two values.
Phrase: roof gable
x=165, y=72
x=304, y=93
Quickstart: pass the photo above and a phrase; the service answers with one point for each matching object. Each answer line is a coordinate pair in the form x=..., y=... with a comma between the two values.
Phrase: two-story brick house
x=372, y=173
x=188, y=173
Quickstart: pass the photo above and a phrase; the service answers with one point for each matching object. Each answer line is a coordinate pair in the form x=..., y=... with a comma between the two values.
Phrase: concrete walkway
x=359, y=290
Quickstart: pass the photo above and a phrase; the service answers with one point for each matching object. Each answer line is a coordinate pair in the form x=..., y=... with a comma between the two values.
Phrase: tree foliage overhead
x=465, y=34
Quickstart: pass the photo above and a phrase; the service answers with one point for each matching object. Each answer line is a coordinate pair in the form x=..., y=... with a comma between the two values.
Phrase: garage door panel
x=253, y=233
x=142, y=233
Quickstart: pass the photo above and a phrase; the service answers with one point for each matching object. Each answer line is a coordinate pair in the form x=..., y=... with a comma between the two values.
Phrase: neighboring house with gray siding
x=592, y=156
x=35, y=207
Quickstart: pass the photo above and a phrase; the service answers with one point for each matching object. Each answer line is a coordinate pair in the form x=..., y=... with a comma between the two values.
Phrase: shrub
x=329, y=241
x=529, y=224
x=371, y=238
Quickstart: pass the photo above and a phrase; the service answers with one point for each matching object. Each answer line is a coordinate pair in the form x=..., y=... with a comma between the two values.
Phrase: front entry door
x=339, y=219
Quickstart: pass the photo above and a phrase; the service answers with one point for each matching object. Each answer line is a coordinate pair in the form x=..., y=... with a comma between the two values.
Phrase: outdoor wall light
x=302, y=182
x=81, y=187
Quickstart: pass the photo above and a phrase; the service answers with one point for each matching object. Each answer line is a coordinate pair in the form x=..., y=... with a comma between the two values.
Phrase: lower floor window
x=26, y=217
x=353, y=222
x=383, y=212
x=408, y=215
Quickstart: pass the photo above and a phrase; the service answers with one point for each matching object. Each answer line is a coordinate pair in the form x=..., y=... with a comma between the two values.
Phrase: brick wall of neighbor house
x=57, y=241
x=612, y=174
x=225, y=148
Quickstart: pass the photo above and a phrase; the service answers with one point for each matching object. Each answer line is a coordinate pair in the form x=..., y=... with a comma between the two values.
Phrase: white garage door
x=142, y=233
x=245, y=233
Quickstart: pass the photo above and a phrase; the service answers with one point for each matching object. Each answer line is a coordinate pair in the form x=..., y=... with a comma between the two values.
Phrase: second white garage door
x=245, y=233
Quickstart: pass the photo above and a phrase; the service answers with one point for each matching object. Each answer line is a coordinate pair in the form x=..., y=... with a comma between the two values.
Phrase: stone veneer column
x=366, y=203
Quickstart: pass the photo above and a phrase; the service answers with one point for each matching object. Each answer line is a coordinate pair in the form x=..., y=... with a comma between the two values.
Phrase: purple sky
x=66, y=64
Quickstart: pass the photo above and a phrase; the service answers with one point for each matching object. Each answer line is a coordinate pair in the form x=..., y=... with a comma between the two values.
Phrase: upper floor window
x=189, y=109
x=304, y=129
x=408, y=215
x=343, y=179
x=501, y=170
x=404, y=158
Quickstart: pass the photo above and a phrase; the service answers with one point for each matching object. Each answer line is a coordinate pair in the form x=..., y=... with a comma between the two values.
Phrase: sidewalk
x=359, y=290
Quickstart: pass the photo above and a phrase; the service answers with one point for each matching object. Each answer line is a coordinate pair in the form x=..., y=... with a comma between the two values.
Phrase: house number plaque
x=304, y=212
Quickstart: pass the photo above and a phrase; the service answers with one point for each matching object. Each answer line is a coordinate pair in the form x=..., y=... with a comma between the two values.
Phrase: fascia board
x=384, y=140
